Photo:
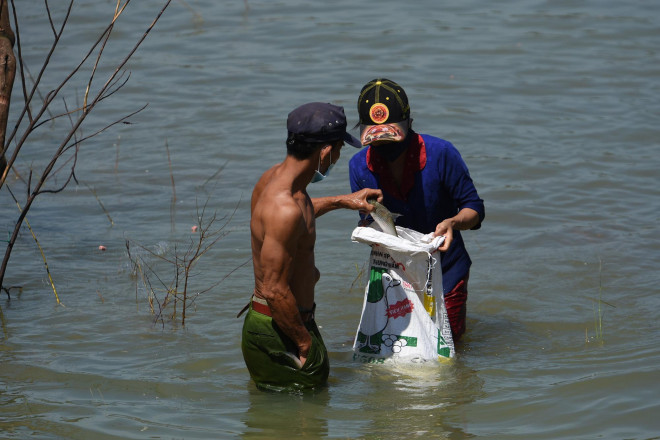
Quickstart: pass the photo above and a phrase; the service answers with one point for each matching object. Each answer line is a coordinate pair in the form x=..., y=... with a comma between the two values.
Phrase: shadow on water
x=275, y=415
x=427, y=400
x=370, y=401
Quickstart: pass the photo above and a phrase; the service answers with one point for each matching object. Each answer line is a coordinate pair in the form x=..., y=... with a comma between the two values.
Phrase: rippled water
x=554, y=106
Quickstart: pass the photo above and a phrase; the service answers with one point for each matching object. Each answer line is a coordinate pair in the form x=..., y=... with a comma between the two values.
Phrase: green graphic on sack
x=376, y=292
x=370, y=335
x=369, y=343
x=397, y=342
x=368, y=359
x=394, y=342
x=443, y=348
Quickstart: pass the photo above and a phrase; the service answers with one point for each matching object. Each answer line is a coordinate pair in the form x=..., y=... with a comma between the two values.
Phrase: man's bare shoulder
x=278, y=206
x=272, y=184
x=274, y=207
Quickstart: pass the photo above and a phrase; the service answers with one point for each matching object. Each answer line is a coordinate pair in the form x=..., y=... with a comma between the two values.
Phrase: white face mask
x=317, y=174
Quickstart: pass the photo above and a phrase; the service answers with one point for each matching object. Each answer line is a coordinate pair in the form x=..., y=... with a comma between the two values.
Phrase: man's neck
x=299, y=172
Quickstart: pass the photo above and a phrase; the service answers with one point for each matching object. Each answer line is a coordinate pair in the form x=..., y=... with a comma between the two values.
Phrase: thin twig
x=106, y=95
x=169, y=162
x=222, y=167
x=43, y=255
x=100, y=54
x=93, y=191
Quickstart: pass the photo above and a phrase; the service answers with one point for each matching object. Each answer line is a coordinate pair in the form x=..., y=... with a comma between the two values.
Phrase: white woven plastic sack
x=403, y=317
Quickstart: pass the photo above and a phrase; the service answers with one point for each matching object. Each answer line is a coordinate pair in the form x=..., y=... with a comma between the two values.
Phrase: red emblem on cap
x=379, y=113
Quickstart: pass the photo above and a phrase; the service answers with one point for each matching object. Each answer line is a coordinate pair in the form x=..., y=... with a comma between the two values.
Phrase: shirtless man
x=281, y=344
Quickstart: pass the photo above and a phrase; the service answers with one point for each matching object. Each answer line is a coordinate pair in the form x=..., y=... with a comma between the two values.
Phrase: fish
x=383, y=217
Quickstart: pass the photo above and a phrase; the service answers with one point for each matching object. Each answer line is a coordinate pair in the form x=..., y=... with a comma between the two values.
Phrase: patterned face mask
x=393, y=132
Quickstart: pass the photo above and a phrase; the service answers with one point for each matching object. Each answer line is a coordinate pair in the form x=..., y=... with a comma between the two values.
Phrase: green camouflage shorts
x=271, y=359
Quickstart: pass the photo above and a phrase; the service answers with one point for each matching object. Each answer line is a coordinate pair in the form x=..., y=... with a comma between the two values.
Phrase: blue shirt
x=435, y=186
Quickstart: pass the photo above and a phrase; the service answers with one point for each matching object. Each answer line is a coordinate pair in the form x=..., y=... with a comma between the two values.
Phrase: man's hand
x=303, y=351
x=358, y=200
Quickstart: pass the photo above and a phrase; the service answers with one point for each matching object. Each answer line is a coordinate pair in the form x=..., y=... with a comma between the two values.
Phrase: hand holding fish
x=362, y=197
x=356, y=201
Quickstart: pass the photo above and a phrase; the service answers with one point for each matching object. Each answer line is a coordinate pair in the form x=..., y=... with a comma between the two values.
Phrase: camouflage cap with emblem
x=384, y=111
x=382, y=101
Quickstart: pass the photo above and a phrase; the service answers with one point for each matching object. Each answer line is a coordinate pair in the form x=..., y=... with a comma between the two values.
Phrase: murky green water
x=554, y=106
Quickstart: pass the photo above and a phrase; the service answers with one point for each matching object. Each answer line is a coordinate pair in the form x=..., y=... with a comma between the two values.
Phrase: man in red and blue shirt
x=424, y=179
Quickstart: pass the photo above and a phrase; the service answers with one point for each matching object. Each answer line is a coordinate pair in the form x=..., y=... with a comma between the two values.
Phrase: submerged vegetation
x=166, y=274
x=598, y=304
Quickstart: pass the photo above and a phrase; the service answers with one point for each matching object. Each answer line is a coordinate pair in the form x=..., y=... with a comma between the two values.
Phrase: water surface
x=554, y=107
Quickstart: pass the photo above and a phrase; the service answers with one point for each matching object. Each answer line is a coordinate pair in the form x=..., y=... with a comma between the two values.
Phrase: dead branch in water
x=167, y=277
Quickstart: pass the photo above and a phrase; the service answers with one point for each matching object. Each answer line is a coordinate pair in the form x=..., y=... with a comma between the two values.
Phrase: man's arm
x=282, y=234
x=458, y=182
x=356, y=201
x=467, y=218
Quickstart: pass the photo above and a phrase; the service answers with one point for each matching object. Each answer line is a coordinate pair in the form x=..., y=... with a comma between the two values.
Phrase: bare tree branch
x=107, y=89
